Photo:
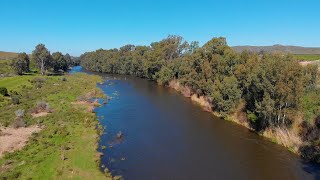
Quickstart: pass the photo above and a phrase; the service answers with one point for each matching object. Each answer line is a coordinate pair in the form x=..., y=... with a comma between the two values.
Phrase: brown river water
x=166, y=136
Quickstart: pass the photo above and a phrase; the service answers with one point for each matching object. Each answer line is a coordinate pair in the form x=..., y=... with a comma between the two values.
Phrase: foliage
x=272, y=85
x=41, y=55
x=19, y=113
x=15, y=100
x=59, y=62
x=3, y=91
x=21, y=63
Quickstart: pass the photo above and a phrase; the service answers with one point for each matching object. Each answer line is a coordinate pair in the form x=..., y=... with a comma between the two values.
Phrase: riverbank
x=66, y=145
x=284, y=137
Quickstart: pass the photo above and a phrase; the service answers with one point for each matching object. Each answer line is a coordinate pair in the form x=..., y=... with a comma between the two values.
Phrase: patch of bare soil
x=12, y=139
x=185, y=91
x=304, y=63
x=40, y=114
x=203, y=101
x=90, y=105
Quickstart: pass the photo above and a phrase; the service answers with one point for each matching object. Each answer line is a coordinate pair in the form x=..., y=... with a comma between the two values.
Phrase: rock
x=119, y=135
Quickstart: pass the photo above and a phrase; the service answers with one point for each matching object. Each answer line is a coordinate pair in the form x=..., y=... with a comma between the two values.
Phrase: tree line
x=43, y=60
x=270, y=87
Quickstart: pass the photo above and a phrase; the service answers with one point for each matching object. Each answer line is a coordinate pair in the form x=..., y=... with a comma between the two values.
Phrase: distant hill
x=7, y=55
x=279, y=48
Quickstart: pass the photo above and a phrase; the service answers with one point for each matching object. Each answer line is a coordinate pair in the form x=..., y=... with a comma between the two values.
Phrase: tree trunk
x=42, y=66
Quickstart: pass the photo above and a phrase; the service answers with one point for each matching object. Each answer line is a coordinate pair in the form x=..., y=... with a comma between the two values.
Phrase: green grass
x=69, y=130
x=5, y=67
x=16, y=83
x=307, y=57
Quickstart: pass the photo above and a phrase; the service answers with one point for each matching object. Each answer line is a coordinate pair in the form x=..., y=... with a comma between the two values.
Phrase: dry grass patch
x=12, y=139
x=89, y=106
x=284, y=137
x=40, y=114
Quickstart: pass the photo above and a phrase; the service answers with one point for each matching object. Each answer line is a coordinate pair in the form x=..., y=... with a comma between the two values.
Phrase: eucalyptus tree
x=59, y=62
x=21, y=63
x=41, y=56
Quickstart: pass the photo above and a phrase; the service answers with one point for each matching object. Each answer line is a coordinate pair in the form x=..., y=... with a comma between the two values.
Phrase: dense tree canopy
x=271, y=85
x=59, y=62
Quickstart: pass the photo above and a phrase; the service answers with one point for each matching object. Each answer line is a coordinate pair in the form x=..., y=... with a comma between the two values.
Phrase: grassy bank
x=66, y=146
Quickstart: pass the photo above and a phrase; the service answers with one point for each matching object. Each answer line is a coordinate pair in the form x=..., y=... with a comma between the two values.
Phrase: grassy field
x=5, y=67
x=307, y=57
x=7, y=55
x=69, y=131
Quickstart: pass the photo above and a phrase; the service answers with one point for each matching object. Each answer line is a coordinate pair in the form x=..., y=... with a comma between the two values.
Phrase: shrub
x=42, y=106
x=252, y=117
x=3, y=91
x=19, y=113
x=38, y=81
x=311, y=152
x=14, y=93
x=19, y=122
x=15, y=100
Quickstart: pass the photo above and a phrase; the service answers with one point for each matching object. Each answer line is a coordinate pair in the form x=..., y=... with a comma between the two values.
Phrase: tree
x=164, y=76
x=42, y=57
x=226, y=94
x=68, y=59
x=21, y=63
x=58, y=62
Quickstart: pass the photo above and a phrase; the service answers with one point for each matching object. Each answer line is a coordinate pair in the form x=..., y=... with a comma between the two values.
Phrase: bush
x=311, y=152
x=38, y=81
x=3, y=91
x=19, y=122
x=252, y=117
x=14, y=93
x=19, y=113
x=15, y=100
x=42, y=106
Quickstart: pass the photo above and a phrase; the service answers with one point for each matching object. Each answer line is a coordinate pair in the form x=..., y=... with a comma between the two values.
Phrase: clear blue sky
x=77, y=26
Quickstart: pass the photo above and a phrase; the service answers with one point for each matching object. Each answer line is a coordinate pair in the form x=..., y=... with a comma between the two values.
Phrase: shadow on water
x=166, y=136
x=312, y=168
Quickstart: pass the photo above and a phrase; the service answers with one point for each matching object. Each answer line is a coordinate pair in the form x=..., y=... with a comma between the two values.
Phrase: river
x=166, y=136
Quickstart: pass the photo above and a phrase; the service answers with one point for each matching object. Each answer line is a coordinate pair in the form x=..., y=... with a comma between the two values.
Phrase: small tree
x=59, y=62
x=68, y=59
x=42, y=57
x=21, y=63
